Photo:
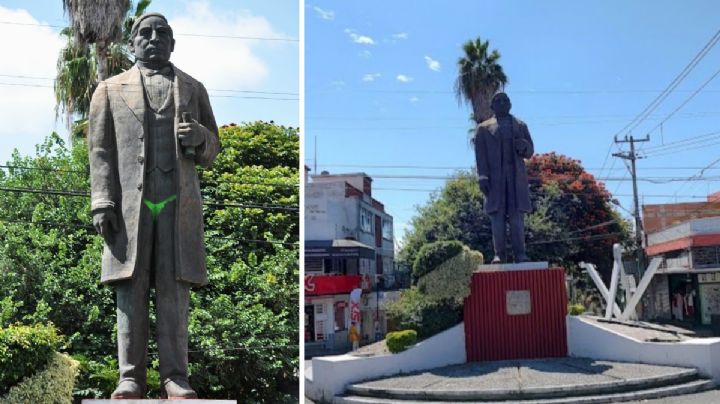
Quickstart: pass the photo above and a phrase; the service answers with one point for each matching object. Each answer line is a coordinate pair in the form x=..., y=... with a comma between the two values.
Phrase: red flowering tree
x=586, y=225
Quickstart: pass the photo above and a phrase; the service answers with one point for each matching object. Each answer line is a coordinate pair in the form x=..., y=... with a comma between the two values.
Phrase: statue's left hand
x=190, y=134
x=521, y=146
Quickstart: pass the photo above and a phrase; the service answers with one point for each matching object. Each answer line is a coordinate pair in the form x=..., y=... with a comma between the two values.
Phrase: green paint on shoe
x=156, y=208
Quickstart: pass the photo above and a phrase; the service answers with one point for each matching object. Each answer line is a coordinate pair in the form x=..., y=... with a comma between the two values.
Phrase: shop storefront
x=329, y=309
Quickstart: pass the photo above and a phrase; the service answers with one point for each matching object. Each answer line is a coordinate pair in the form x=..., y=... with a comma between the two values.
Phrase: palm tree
x=81, y=65
x=479, y=77
x=97, y=22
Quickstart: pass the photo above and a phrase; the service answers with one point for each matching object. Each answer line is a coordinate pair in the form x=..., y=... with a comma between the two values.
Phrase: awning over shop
x=338, y=249
x=316, y=285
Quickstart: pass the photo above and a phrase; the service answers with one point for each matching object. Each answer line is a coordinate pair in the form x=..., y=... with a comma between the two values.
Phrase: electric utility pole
x=632, y=156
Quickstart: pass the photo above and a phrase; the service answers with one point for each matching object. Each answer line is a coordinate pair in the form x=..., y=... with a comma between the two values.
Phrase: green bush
x=432, y=255
x=53, y=385
x=451, y=279
x=243, y=325
x=417, y=311
x=576, y=309
x=24, y=350
x=399, y=341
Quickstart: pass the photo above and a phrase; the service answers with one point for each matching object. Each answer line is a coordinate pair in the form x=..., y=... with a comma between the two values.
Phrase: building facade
x=686, y=287
x=349, y=259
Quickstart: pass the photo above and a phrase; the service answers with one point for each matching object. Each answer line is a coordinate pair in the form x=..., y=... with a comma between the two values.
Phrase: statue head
x=151, y=39
x=501, y=105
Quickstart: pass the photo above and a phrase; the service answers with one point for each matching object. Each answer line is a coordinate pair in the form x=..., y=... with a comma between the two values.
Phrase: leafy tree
x=479, y=77
x=572, y=219
x=243, y=326
x=79, y=62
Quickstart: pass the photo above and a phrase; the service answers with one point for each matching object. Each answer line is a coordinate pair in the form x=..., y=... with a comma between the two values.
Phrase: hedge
x=576, y=309
x=451, y=279
x=54, y=385
x=24, y=350
x=417, y=311
x=399, y=341
x=432, y=255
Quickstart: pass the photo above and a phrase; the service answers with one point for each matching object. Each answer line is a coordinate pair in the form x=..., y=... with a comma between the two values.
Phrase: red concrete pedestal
x=516, y=315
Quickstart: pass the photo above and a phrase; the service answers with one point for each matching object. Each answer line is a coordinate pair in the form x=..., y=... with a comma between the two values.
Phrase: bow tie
x=166, y=71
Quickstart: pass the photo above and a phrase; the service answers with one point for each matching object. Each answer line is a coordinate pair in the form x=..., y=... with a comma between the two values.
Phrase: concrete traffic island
x=557, y=380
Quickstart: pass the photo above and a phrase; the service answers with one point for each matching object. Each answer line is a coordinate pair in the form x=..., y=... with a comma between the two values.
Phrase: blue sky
x=379, y=89
x=263, y=67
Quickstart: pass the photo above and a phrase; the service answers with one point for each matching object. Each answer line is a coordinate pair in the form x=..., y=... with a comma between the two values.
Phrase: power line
x=683, y=142
x=687, y=100
x=472, y=168
x=209, y=89
x=273, y=184
x=517, y=91
x=90, y=227
x=248, y=97
x=257, y=38
x=87, y=194
x=581, y=238
x=699, y=174
x=672, y=86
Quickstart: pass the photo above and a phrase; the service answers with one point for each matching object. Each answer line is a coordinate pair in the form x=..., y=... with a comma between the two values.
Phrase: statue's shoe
x=522, y=258
x=127, y=390
x=497, y=260
x=177, y=390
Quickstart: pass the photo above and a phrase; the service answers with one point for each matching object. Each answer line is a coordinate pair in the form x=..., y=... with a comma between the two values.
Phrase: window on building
x=387, y=229
x=366, y=220
x=340, y=324
x=313, y=265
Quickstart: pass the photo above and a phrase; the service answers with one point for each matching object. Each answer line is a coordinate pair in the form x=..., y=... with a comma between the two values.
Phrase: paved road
x=706, y=397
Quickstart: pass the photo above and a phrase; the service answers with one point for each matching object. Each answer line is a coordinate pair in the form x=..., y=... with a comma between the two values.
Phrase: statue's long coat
x=488, y=155
x=117, y=171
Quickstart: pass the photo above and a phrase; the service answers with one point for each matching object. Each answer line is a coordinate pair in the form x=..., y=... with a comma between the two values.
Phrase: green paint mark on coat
x=156, y=208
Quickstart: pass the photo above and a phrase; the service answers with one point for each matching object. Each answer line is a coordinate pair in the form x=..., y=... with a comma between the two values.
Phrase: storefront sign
x=355, y=306
x=331, y=284
x=710, y=277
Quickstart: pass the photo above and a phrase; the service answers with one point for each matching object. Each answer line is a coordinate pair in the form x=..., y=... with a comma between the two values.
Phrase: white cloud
x=403, y=78
x=432, y=64
x=27, y=108
x=414, y=99
x=400, y=35
x=365, y=53
x=337, y=83
x=324, y=14
x=360, y=39
x=222, y=63
x=370, y=76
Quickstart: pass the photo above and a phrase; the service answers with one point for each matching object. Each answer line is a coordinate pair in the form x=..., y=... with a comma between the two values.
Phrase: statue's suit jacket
x=117, y=170
x=488, y=155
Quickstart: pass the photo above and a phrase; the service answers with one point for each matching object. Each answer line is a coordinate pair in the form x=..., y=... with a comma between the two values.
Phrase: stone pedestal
x=156, y=401
x=516, y=311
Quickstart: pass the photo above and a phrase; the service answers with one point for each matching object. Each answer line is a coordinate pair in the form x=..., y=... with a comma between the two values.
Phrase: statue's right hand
x=485, y=186
x=105, y=222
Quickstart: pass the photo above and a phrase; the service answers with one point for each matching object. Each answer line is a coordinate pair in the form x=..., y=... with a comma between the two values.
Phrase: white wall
x=328, y=214
x=589, y=340
x=331, y=374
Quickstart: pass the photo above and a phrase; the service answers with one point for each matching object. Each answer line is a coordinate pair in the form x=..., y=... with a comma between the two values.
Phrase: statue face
x=153, y=42
x=501, y=105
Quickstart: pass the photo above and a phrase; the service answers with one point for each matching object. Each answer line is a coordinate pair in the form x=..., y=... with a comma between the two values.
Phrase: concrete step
x=687, y=387
x=538, y=392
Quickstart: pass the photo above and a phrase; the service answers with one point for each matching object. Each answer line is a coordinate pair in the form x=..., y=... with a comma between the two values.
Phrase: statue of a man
x=149, y=127
x=501, y=145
